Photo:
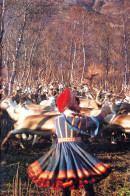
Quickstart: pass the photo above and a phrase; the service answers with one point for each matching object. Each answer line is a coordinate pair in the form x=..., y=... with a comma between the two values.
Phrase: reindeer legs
x=14, y=131
x=6, y=138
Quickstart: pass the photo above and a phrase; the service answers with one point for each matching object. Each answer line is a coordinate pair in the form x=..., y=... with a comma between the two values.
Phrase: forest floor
x=15, y=160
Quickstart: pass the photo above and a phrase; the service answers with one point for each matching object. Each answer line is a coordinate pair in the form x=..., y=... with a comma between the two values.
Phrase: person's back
x=69, y=165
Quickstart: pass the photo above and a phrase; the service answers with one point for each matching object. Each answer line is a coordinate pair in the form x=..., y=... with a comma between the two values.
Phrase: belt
x=69, y=139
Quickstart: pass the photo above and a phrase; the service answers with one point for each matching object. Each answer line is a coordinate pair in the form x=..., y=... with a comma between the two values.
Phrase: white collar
x=67, y=112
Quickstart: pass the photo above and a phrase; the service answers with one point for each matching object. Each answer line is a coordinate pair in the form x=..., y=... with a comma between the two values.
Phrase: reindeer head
x=5, y=103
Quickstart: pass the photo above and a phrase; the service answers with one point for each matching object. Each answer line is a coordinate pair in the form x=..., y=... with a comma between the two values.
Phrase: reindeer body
x=34, y=125
x=19, y=114
x=37, y=122
x=43, y=124
x=124, y=121
x=8, y=105
x=87, y=103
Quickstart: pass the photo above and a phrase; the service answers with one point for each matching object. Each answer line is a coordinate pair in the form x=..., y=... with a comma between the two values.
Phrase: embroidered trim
x=68, y=178
x=59, y=127
x=73, y=120
x=73, y=127
x=69, y=139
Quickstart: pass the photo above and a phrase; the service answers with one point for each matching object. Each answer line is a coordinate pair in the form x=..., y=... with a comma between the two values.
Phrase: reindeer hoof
x=2, y=147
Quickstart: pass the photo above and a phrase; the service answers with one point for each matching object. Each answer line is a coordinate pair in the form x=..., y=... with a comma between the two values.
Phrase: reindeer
x=24, y=110
x=118, y=122
x=35, y=124
x=8, y=105
x=92, y=105
x=48, y=105
x=38, y=124
x=124, y=121
x=18, y=113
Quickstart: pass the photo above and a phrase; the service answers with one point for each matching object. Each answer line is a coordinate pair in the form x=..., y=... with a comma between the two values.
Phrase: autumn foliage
x=52, y=42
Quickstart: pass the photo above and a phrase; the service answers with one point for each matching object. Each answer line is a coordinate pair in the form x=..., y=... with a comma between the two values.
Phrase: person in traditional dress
x=69, y=165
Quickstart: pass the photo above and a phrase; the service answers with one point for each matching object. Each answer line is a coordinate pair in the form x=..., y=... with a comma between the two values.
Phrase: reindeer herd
x=34, y=120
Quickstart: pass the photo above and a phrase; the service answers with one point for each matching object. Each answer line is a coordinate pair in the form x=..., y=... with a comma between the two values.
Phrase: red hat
x=67, y=99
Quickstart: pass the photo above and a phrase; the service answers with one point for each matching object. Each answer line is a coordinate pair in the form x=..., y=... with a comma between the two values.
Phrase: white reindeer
x=19, y=112
x=42, y=124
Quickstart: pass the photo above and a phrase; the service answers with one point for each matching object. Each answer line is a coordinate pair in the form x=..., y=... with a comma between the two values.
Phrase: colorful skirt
x=68, y=165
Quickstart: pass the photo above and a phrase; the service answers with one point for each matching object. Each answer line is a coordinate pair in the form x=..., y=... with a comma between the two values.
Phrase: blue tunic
x=69, y=163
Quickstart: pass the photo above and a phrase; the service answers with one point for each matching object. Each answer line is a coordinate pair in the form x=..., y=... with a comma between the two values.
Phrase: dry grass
x=16, y=160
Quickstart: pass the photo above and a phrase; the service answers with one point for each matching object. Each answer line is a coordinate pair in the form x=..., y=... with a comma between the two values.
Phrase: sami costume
x=68, y=163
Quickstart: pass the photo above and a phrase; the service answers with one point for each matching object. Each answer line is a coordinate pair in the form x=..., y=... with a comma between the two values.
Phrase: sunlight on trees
x=46, y=43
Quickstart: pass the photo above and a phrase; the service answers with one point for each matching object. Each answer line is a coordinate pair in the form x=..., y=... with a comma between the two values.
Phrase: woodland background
x=70, y=42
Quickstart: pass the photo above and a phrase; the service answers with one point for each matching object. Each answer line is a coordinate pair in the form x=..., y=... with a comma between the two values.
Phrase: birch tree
x=2, y=6
x=125, y=47
x=84, y=54
x=16, y=54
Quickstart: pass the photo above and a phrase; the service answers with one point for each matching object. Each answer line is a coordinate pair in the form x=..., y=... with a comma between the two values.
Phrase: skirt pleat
x=68, y=164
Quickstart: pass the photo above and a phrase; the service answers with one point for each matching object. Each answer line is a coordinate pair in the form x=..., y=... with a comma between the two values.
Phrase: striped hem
x=69, y=139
